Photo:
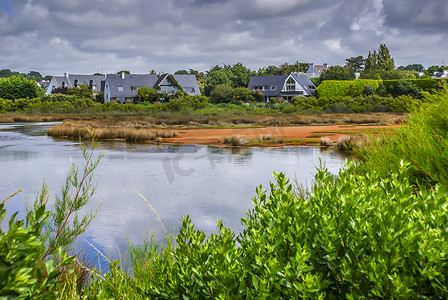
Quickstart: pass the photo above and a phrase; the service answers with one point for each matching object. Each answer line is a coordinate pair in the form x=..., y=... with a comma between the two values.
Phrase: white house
x=96, y=82
x=282, y=86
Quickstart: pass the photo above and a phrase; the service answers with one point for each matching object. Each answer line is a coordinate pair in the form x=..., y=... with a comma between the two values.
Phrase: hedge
x=343, y=88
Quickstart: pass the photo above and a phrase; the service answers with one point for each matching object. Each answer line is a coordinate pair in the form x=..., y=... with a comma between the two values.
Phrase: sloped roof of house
x=69, y=81
x=188, y=82
x=305, y=82
x=275, y=84
x=85, y=79
x=130, y=80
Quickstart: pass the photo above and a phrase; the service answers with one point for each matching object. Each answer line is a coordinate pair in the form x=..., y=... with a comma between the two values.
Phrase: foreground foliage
x=33, y=252
x=352, y=236
x=423, y=142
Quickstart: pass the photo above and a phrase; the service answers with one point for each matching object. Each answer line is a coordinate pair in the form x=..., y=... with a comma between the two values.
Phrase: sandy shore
x=214, y=136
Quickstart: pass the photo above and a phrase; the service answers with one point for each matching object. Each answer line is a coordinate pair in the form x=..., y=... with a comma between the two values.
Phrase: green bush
x=335, y=88
x=16, y=87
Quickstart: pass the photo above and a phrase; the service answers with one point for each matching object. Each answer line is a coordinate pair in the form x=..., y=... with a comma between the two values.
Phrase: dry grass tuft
x=325, y=141
x=235, y=140
x=348, y=143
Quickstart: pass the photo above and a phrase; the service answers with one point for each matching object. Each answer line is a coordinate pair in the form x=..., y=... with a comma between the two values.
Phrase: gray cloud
x=87, y=36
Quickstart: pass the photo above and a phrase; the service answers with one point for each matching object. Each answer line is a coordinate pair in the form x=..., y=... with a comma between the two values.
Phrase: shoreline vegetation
x=303, y=130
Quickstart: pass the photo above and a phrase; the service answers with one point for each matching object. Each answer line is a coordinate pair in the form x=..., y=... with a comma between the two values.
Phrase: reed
x=131, y=135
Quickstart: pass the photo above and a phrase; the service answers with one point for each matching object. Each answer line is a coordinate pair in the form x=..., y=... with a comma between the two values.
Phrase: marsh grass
x=129, y=134
x=235, y=140
x=423, y=142
x=325, y=141
x=350, y=143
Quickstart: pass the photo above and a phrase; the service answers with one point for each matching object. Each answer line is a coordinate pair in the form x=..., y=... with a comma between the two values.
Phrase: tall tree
x=215, y=78
x=385, y=61
x=355, y=63
x=239, y=75
x=371, y=62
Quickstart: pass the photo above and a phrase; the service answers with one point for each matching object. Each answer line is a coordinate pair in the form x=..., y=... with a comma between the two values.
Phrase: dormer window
x=76, y=83
x=63, y=84
x=90, y=83
x=273, y=88
x=120, y=89
x=134, y=88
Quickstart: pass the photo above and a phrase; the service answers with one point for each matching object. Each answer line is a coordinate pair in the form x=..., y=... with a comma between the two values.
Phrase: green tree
x=181, y=72
x=147, y=94
x=355, y=63
x=371, y=62
x=214, y=78
x=239, y=75
x=414, y=67
x=8, y=73
x=34, y=75
x=338, y=73
x=16, y=87
x=432, y=69
x=385, y=61
x=124, y=71
x=222, y=93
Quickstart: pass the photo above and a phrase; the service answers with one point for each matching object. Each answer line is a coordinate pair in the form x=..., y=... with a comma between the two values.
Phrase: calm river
x=207, y=183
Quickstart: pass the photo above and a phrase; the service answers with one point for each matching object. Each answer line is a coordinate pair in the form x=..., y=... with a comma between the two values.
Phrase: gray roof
x=149, y=80
x=187, y=82
x=82, y=79
x=85, y=79
x=272, y=81
x=305, y=82
x=129, y=80
x=277, y=82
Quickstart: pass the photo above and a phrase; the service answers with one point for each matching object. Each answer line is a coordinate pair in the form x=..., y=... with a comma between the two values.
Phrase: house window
x=261, y=88
x=273, y=88
x=290, y=84
x=120, y=89
x=76, y=82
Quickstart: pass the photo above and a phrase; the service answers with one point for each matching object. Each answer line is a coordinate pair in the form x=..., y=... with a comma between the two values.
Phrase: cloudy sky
x=87, y=36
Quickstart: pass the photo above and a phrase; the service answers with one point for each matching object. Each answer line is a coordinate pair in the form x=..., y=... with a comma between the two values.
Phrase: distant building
x=282, y=86
x=316, y=70
x=96, y=82
x=122, y=88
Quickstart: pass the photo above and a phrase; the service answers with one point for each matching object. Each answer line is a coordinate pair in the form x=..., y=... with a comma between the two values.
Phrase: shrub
x=16, y=87
x=335, y=88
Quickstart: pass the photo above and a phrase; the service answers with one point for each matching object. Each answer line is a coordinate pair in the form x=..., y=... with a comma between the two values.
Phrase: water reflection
x=207, y=183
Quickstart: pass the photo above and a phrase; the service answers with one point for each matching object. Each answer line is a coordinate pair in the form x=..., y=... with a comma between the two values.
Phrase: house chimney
x=66, y=74
x=122, y=75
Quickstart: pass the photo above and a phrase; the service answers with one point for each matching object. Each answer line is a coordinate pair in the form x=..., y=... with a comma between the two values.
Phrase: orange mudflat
x=214, y=136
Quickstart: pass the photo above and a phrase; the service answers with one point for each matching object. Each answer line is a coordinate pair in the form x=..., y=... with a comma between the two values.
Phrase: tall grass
x=109, y=133
x=423, y=142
